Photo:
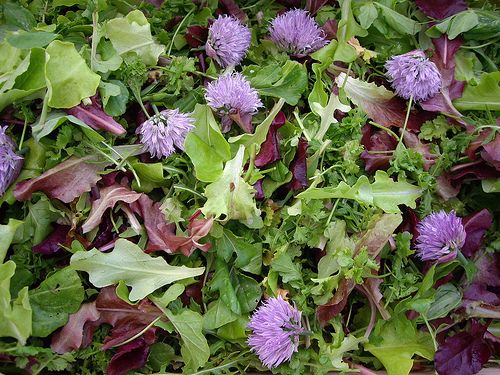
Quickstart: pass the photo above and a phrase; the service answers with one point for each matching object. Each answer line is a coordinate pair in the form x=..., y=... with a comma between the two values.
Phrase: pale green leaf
x=69, y=79
x=206, y=146
x=133, y=34
x=127, y=262
x=485, y=96
x=15, y=318
x=7, y=233
x=232, y=196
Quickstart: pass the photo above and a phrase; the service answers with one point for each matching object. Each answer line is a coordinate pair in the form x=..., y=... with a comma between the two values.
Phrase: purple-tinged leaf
x=94, y=116
x=231, y=8
x=110, y=196
x=131, y=356
x=445, y=188
x=259, y=191
x=440, y=9
x=330, y=28
x=196, y=36
x=465, y=353
x=298, y=167
x=314, y=5
x=77, y=333
x=376, y=140
x=491, y=152
x=475, y=226
x=66, y=181
x=444, y=58
x=336, y=304
x=156, y=3
x=269, y=150
x=51, y=245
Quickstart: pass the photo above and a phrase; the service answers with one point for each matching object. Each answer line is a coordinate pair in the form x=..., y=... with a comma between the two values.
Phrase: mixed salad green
x=164, y=178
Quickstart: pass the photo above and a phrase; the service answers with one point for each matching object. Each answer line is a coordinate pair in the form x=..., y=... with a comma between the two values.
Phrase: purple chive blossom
x=228, y=41
x=10, y=163
x=232, y=97
x=441, y=236
x=413, y=75
x=297, y=33
x=163, y=131
x=276, y=328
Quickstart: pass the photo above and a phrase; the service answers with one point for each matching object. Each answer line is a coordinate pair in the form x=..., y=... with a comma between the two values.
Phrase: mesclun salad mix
x=221, y=187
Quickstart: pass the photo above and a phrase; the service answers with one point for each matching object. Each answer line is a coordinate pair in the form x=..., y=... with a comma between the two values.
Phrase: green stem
x=177, y=31
x=410, y=102
x=139, y=334
x=384, y=128
x=23, y=134
x=431, y=332
x=93, y=50
x=251, y=164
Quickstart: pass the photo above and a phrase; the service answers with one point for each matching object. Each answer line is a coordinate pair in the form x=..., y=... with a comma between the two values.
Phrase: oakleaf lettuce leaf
x=133, y=34
x=129, y=263
x=384, y=192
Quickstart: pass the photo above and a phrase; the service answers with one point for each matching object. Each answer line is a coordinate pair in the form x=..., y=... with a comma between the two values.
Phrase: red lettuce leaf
x=336, y=304
x=298, y=167
x=376, y=140
x=314, y=5
x=259, y=190
x=440, y=9
x=231, y=8
x=444, y=58
x=475, y=226
x=270, y=151
x=94, y=116
x=491, y=152
x=51, y=245
x=110, y=196
x=464, y=353
x=131, y=356
x=66, y=181
x=196, y=36
x=197, y=228
x=77, y=333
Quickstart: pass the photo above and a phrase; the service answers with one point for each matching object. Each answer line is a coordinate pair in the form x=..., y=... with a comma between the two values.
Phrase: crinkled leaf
x=206, y=146
x=15, y=317
x=129, y=263
x=133, y=34
x=69, y=79
x=57, y=296
x=66, y=181
x=232, y=196
x=400, y=341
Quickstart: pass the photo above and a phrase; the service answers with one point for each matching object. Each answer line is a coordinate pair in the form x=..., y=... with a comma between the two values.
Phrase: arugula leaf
x=384, y=192
x=194, y=348
x=129, y=263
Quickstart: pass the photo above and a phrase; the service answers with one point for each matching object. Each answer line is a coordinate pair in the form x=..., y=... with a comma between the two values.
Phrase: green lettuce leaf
x=129, y=263
x=397, y=341
x=15, y=318
x=206, y=146
x=57, y=296
x=485, y=96
x=69, y=79
x=7, y=233
x=232, y=196
x=133, y=34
